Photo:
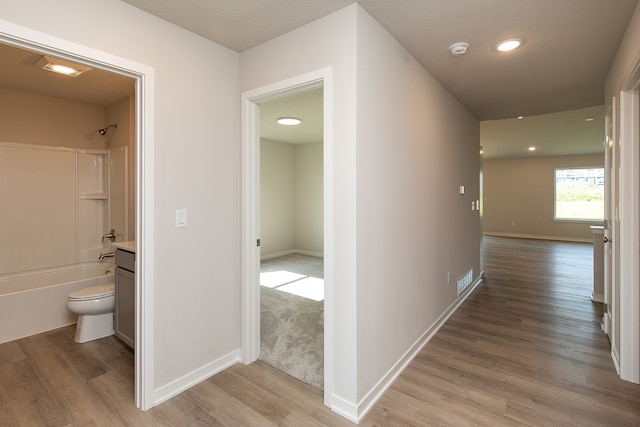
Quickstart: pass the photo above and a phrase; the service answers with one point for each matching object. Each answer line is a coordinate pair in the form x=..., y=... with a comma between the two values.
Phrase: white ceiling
x=569, y=44
x=558, y=134
x=94, y=87
x=306, y=106
x=568, y=49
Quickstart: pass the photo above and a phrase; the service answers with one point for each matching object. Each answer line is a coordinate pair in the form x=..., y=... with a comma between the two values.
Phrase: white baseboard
x=347, y=409
x=616, y=359
x=538, y=237
x=359, y=411
x=606, y=323
x=292, y=251
x=187, y=381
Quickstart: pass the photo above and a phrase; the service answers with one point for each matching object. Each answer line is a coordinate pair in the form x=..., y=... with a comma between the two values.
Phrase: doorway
x=25, y=38
x=292, y=246
x=251, y=102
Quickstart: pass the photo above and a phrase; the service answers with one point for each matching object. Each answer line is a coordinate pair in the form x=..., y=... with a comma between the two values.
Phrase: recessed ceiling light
x=288, y=121
x=589, y=119
x=61, y=66
x=459, y=49
x=532, y=148
x=509, y=45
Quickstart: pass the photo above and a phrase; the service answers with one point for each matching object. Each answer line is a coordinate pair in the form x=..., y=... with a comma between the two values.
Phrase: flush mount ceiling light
x=589, y=119
x=288, y=121
x=61, y=66
x=508, y=45
x=531, y=148
x=459, y=49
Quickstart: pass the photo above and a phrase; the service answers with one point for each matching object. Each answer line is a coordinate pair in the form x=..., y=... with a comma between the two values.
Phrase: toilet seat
x=93, y=292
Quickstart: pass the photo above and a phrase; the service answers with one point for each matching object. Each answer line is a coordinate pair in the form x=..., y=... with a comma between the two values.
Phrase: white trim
x=251, y=220
x=373, y=396
x=538, y=237
x=291, y=252
x=630, y=233
x=189, y=380
x=616, y=359
x=33, y=40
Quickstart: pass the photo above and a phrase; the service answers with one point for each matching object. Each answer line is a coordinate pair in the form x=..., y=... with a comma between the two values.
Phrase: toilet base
x=93, y=326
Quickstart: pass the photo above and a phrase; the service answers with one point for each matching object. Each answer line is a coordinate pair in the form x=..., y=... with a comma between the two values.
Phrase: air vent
x=465, y=281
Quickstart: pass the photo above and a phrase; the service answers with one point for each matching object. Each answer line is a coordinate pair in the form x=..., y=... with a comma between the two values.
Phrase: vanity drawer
x=125, y=259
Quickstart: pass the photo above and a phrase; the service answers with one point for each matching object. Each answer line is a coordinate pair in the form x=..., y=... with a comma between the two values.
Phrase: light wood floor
x=525, y=349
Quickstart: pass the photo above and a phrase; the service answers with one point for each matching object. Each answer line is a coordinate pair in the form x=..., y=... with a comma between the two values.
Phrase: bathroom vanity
x=125, y=312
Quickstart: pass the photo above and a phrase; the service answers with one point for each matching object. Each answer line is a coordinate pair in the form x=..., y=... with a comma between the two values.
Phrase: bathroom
x=63, y=186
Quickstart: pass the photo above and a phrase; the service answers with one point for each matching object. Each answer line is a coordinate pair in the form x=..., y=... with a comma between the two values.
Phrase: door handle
x=607, y=240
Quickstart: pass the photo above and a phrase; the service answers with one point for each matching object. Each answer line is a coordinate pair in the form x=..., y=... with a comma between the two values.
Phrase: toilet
x=94, y=306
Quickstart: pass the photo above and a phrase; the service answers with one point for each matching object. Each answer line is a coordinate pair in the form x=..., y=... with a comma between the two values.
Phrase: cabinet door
x=125, y=306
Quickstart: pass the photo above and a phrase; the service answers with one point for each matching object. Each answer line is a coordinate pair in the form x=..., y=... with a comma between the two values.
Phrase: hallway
x=525, y=349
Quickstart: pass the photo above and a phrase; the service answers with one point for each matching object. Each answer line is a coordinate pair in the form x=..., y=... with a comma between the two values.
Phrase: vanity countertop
x=129, y=246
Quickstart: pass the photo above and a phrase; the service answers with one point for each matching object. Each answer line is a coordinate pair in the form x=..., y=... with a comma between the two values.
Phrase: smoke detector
x=459, y=49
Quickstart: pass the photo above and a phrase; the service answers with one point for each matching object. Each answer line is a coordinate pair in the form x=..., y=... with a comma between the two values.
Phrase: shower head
x=103, y=131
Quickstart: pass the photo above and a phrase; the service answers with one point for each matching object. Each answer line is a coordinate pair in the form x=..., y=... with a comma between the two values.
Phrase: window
x=579, y=194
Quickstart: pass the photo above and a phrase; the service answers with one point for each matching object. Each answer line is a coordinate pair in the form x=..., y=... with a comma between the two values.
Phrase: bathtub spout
x=106, y=255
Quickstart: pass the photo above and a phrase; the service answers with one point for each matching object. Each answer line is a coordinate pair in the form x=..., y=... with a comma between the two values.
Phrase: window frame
x=555, y=201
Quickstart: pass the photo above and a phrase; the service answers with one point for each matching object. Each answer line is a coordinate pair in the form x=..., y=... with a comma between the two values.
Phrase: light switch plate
x=461, y=189
x=181, y=218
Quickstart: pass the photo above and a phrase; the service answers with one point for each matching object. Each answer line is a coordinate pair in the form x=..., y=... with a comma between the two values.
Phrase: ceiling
x=569, y=46
x=306, y=106
x=553, y=80
x=94, y=87
x=557, y=134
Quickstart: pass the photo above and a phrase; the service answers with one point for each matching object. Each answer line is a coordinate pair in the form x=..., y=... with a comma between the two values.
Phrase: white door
x=609, y=195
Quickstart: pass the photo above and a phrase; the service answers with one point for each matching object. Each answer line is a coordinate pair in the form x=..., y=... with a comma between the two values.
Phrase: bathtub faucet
x=107, y=255
x=111, y=235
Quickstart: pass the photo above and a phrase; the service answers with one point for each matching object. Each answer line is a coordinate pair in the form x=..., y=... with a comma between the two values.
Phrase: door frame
x=630, y=227
x=251, y=212
x=26, y=38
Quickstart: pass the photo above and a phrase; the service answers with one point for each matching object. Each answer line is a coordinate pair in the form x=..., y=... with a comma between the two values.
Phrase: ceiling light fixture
x=589, y=119
x=61, y=66
x=288, y=121
x=508, y=45
x=520, y=117
x=532, y=148
x=459, y=48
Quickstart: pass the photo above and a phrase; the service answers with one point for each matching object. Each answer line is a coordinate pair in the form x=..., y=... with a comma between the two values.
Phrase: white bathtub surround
x=82, y=193
x=36, y=302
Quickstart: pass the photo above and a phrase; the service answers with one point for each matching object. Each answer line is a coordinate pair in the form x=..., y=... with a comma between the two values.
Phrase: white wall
x=522, y=190
x=277, y=197
x=309, y=225
x=416, y=144
x=30, y=118
x=328, y=42
x=400, y=146
x=291, y=198
x=196, y=146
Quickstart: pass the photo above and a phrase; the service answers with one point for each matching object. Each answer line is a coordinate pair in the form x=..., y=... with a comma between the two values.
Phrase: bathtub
x=35, y=302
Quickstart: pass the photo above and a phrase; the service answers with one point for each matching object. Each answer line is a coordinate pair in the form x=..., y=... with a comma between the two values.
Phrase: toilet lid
x=93, y=292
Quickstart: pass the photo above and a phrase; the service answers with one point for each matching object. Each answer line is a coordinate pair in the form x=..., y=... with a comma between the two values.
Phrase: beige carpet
x=292, y=326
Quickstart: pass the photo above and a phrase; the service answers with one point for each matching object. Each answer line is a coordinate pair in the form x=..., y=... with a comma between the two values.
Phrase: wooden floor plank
x=525, y=348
